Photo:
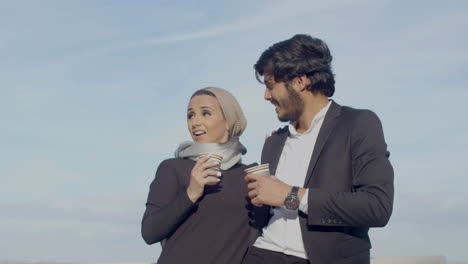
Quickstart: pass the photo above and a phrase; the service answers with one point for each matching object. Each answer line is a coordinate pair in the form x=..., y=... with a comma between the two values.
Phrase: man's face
x=287, y=101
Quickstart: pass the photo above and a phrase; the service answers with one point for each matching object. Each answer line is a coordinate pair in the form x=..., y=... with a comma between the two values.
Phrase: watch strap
x=295, y=190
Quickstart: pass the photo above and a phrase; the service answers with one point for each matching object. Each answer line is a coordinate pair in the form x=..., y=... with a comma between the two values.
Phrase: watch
x=291, y=201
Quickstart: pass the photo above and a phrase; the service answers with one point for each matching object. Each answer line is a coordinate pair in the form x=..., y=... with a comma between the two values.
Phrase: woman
x=199, y=212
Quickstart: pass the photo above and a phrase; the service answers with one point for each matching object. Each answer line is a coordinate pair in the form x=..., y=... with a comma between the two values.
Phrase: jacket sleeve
x=167, y=207
x=370, y=202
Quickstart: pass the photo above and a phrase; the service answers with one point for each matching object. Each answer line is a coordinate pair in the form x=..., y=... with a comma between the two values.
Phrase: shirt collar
x=317, y=118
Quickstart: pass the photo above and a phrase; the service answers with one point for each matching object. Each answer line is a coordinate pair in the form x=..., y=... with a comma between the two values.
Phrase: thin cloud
x=270, y=14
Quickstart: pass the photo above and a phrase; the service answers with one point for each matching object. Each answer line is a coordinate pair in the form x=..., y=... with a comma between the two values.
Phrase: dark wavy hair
x=301, y=54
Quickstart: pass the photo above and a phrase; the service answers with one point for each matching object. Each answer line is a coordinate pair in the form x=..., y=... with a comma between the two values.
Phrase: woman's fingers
x=203, y=164
x=207, y=165
x=201, y=161
x=212, y=172
x=203, y=169
x=210, y=180
x=211, y=177
x=211, y=164
x=204, y=177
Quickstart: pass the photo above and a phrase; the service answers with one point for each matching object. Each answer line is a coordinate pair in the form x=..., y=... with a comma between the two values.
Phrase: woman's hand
x=202, y=174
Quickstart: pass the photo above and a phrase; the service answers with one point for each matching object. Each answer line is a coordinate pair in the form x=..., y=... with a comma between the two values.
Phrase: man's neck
x=312, y=106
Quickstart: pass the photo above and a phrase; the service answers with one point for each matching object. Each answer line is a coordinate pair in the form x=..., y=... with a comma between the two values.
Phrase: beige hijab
x=231, y=110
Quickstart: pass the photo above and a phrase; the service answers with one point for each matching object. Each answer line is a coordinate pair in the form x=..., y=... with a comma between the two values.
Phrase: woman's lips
x=199, y=134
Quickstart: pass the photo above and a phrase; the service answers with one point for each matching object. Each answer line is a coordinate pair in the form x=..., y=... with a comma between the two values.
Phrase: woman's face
x=205, y=120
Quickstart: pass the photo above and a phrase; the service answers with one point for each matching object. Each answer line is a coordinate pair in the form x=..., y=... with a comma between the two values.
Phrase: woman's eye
x=206, y=113
x=189, y=116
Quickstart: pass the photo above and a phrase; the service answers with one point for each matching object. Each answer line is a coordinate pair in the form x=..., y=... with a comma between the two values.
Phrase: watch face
x=295, y=203
x=291, y=202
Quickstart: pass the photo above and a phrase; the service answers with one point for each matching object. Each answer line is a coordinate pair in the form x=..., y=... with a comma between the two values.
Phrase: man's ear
x=302, y=82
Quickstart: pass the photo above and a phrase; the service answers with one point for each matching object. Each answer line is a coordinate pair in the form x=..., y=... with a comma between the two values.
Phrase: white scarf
x=231, y=151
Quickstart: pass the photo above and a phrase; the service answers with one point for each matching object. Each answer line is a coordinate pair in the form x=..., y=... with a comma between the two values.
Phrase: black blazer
x=350, y=182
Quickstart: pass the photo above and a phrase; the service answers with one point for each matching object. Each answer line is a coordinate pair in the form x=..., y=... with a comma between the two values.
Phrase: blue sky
x=94, y=93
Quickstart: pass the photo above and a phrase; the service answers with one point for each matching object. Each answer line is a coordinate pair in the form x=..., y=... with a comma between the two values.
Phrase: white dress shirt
x=283, y=232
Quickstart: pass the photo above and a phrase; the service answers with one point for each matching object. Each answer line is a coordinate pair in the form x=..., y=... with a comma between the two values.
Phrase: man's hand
x=272, y=133
x=266, y=190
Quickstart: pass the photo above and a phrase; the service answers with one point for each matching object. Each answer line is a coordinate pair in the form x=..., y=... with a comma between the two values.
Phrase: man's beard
x=293, y=104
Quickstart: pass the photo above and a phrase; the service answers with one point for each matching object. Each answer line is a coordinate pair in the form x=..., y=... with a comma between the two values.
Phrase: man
x=333, y=180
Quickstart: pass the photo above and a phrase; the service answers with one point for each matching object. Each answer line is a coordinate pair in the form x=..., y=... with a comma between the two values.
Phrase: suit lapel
x=277, y=145
x=331, y=119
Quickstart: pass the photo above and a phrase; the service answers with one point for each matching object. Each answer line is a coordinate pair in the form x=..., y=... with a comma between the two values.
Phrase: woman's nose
x=195, y=121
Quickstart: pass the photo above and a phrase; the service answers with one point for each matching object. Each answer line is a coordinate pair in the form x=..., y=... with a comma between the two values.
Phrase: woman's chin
x=201, y=140
x=204, y=139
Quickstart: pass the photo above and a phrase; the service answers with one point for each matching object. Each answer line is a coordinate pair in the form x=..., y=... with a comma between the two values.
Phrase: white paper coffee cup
x=263, y=169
